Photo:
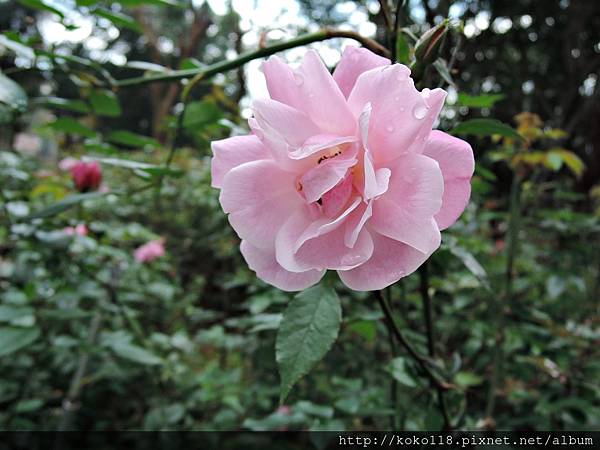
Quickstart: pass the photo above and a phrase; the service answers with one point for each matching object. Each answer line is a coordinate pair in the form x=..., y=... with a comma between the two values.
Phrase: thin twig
x=511, y=249
x=424, y=288
x=394, y=349
x=383, y=6
x=223, y=66
x=421, y=360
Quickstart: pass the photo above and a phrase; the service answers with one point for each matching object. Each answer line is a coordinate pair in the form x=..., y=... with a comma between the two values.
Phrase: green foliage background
x=188, y=341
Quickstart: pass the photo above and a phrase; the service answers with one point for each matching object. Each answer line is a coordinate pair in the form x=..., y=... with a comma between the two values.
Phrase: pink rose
x=87, y=176
x=78, y=230
x=342, y=172
x=150, y=251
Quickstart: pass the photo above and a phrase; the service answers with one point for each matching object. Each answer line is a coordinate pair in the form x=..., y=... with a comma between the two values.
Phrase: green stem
x=222, y=66
x=419, y=359
x=394, y=384
x=4, y=199
x=424, y=288
x=511, y=249
x=68, y=404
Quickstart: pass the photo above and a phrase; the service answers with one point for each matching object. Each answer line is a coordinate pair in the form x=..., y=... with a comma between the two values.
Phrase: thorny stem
x=394, y=349
x=424, y=288
x=222, y=66
x=421, y=360
x=511, y=249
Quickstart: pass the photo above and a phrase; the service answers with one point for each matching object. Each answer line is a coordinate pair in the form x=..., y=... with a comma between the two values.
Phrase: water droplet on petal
x=389, y=128
x=402, y=109
x=298, y=78
x=425, y=93
x=419, y=111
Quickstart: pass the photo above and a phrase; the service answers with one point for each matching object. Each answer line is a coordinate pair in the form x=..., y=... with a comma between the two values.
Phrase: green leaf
x=479, y=101
x=129, y=139
x=105, y=103
x=554, y=160
x=402, y=49
x=42, y=6
x=467, y=379
x=309, y=327
x=15, y=338
x=136, y=354
x=469, y=261
x=486, y=127
x=199, y=114
x=71, y=126
x=12, y=95
x=64, y=204
x=573, y=162
x=119, y=19
x=63, y=104
x=8, y=313
x=146, y=66
x=442, y=69
x=398, y=367
x=17, y=47
x=136, y=165
x=132, y=3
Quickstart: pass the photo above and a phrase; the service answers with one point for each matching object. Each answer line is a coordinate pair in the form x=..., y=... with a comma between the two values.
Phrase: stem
x=9, y=221
x=421, y=360
x=511, y=249
x=394, y=349
x=424, y=288
x=75, y=385
x=386, y=14
x=222, y=66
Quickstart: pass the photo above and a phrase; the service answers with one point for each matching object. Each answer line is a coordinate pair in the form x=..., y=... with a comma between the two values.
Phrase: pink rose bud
x=150, y=251
x=86, y=175
x=342, y=172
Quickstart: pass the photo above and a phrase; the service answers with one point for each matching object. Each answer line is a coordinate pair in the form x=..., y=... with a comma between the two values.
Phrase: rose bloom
x=343, y=173
x=150, y=251
x=87, y=176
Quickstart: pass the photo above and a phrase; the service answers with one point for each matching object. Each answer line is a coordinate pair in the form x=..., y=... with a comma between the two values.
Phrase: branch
x=386, y=14
x=424, y=288
x=208, y=71
x=421, y=360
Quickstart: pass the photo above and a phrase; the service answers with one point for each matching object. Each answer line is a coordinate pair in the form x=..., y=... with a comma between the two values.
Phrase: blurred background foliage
x=91, y=338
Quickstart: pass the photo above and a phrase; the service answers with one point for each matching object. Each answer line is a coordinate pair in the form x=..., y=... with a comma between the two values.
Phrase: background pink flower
x=343, y=173
x=150, y=251
x=78, y=230
x=87, y=176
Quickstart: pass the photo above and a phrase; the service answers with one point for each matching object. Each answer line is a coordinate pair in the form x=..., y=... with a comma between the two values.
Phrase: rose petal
x=232, y=152
x=327, y=251
x=455, y=158
x=354, y=62
x=399, y=112
x=260, y=197
x=262, y=261
x=391, y=260
x=405, y=212
x=290, y=124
